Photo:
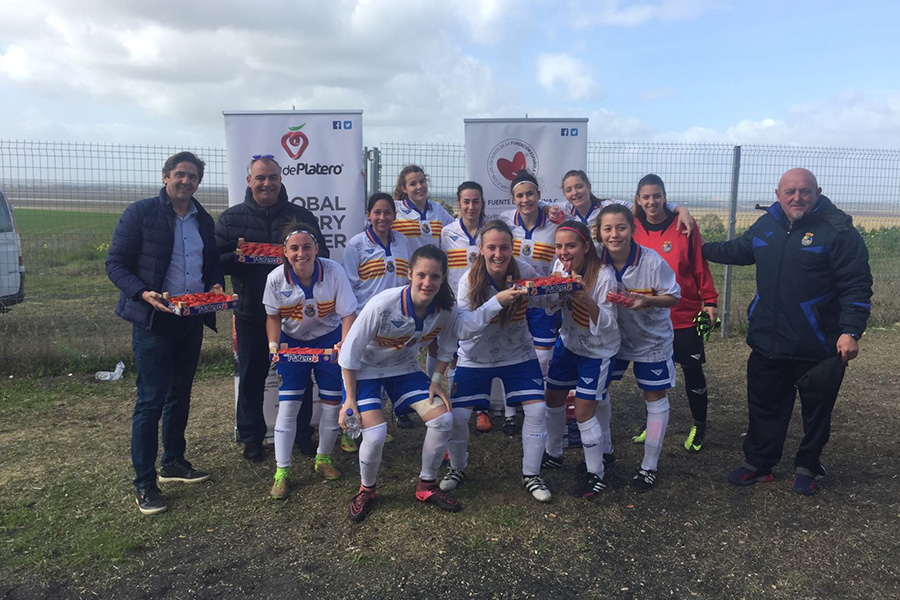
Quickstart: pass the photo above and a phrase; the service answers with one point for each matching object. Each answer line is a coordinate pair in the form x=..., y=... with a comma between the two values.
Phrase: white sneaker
x=452, y=479
x=537, y=487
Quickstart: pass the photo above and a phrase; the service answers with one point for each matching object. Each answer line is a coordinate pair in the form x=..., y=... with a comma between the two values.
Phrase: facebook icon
x=335, y=124
x=564, y=131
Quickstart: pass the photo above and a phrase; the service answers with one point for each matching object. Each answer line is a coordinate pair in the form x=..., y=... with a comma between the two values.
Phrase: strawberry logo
x=509, y=168
x=294, y=137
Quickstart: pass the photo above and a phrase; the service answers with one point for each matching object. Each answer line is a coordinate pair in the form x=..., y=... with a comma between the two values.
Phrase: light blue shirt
x=185, y=273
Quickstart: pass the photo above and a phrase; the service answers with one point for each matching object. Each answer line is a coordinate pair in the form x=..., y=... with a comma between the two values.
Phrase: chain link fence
x=68, y=196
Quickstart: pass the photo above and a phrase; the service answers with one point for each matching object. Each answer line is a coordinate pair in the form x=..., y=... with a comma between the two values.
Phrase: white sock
x=556, y=427
x=328, y=427
x=459, y=438
x=603, y=414
x=370, y=450
x=657, y=421
x=437, y=436
x=591, y=437
x=286, y=431
x=509, y=411
x=498, y=395
x=544, y=355
x=430, y=364
x=534, y=436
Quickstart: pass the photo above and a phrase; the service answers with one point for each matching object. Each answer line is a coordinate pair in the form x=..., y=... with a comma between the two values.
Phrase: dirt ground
x=693, y=536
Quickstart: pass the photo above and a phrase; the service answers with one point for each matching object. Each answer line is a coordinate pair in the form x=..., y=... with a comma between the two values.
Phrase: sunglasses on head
x=259, y=156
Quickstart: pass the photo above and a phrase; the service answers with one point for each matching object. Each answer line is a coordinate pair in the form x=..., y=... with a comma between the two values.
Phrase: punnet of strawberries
x=260, y=249
x=200, y=299
x=547, y=281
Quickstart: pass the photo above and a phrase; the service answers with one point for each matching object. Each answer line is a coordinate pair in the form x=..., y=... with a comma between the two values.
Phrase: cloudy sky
x=805, y=72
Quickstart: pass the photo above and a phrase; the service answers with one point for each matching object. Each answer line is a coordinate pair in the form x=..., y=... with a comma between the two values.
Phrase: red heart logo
x=294, y=138
x=509, y=168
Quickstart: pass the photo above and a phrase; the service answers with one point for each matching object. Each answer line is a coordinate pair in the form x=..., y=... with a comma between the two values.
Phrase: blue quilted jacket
x=141, y=251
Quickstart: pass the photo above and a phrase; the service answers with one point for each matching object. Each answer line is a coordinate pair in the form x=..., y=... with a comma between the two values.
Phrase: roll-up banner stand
x=498, y=148
x=321, y=159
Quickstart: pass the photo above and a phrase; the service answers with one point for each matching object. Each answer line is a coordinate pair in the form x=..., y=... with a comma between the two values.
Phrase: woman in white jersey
x=309, y=304
x=534, y=242
x=500, y=346
x=381, y=351
x=588, y=342
x=645, y=278
x=421, y=222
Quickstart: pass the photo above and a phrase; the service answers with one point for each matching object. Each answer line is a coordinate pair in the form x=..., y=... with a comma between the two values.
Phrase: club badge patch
x=390, y=266
x=472, y=256
x=526, y=248
x=309, y=310
x=807, y=238
x=426, y=228
x=667, y=247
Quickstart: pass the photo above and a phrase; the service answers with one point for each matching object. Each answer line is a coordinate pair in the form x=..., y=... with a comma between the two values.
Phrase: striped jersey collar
x=406, y=306
x=408, y=204
x=317, y=277
x=634, y=257
x=541, y=221
x=373, y=237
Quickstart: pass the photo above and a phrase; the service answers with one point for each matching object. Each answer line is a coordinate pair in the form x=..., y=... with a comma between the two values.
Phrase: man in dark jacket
x=165, y=243
x=262, y=217
x=814, y=289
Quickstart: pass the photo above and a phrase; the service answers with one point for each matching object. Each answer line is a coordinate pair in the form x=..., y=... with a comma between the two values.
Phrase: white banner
x=321, y=160
x=497, y=148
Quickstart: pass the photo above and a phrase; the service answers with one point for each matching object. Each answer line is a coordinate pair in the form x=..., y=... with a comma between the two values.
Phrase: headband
x=521, y=182
x=296, y=231
x=578, y=233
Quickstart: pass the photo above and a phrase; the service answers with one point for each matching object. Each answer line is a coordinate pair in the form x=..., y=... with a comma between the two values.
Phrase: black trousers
x=253, y=368
x=771, y=390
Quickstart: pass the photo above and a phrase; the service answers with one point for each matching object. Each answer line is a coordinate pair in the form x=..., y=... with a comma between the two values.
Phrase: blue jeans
x=166, y=358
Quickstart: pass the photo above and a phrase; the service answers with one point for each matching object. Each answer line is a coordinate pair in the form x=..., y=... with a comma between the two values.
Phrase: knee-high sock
x=544, y=355
x=285, y=431
x=328, y=427
x=657, y=421
x=534, y=437
x=603, y=414
x=695, y=388
x=556, y=428
x=591, y=438
x=370, y=450
x=459, y=438
x=437, y=436
x=430, y=364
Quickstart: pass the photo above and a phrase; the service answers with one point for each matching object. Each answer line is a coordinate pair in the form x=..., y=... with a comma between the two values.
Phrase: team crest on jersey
x=667, y=247
x=526, y=250
x=472, y=256
x=390, y=266
x=310, y=310
x=807, y=239
x=426, y=228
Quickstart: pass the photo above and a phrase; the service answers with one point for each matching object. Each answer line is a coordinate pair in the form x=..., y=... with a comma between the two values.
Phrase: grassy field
x=69, y=527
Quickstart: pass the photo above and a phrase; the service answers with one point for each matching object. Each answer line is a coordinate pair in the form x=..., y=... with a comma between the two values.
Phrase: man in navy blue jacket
x=165, y=243
x=813, y=299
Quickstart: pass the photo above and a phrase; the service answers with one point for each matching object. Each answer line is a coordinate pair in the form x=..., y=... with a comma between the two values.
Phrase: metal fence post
x=732, y=220
x=375, y=179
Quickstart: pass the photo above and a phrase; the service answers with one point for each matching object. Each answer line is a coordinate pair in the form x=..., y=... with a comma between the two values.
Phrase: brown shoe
x=325, y=468
x=281, y=489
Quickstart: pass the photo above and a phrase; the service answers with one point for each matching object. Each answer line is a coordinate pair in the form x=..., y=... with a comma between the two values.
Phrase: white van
x=12, y=269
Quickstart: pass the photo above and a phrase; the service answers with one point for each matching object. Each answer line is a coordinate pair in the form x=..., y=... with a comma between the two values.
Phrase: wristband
x=437, y=377
x=273, y=348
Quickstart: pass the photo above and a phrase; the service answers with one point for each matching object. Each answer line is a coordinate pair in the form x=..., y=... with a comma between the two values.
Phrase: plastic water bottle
x=111, y=375
x=351, y=422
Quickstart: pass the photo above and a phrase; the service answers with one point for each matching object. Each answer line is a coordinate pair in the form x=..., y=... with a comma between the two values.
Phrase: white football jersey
x=420, y=228
x=646, y=333
x=309, y=313
x=373, y=267
x=536, y=246
x=462, y=249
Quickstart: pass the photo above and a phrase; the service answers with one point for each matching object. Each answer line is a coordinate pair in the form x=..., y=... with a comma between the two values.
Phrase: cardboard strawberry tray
x=188, y=305
x=306, y=355
x=553, y=284
x=621, y=298
x=258, y=253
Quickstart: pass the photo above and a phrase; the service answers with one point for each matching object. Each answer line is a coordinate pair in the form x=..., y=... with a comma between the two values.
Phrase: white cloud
x=626, y=13
x=560, y=72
